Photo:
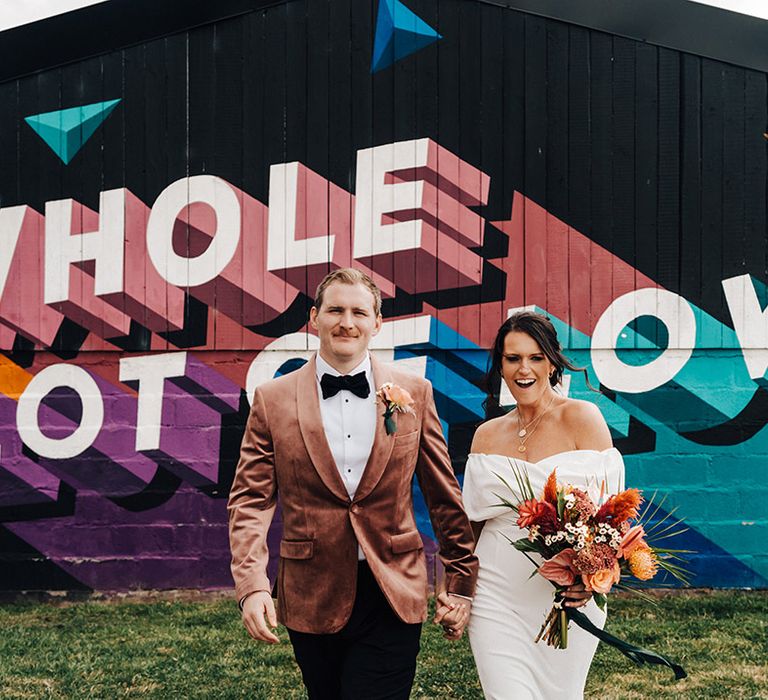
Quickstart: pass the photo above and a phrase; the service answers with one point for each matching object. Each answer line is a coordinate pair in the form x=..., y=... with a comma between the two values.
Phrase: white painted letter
x=192, y=272
x=150, y=372
x=750, y=322
x=45, y=381
x=105, y=246
x=672, y=310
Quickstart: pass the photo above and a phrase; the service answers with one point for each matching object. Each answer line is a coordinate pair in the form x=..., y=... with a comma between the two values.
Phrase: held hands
x=259, y=616
x=576, y=595
x=453, y=614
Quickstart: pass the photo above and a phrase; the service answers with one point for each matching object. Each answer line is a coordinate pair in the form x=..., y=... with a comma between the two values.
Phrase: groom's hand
x=453, y=614
x=259, y=616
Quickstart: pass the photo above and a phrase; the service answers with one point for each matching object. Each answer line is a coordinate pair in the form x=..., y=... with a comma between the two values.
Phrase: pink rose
x=559, y=569
x=603, y=580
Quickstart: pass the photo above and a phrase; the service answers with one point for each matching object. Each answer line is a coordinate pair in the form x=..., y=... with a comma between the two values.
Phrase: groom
x=352, y=581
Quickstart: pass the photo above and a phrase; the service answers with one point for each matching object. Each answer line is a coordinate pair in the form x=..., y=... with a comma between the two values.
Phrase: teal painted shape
x=66, y=130
x=399, y=33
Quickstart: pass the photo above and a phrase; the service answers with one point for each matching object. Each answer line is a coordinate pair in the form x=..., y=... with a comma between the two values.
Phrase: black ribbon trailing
x=638, y=655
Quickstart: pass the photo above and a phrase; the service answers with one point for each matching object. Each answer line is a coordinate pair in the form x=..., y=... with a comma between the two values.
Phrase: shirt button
x=349, y=436
x=349, y=470
x=346, y=400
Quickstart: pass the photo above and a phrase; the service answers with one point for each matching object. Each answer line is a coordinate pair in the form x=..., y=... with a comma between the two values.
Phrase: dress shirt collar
x=322, y=367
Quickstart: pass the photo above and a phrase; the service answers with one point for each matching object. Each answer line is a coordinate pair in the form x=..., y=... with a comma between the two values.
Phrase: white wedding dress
x=510, y=606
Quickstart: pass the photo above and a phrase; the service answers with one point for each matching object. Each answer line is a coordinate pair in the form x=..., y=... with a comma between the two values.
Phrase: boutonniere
x=395, y=398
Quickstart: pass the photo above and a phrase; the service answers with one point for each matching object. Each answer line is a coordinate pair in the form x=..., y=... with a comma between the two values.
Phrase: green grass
x=179, y=650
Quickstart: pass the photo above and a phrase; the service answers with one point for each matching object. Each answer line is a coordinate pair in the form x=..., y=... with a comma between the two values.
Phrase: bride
x=546, y=430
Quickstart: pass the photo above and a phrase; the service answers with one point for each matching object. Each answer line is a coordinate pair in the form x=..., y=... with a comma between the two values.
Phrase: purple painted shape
x=210, y=387
x=190, y=432
x=111, y=466
x=182, y=543
x=22, y=481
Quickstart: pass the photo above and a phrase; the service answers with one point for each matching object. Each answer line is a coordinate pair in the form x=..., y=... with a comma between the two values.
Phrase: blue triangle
x=66, y=130
x=399, y=33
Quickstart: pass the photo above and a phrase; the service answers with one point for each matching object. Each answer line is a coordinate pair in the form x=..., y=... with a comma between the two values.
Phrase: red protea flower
x=550, y=488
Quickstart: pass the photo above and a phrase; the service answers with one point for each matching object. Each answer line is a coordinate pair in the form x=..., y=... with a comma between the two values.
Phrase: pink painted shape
x=448, y=228
x=83, y=306
x=7, y=337
x=147, y=297
x=21, y=304
x=554, y=266
x=244, y=290
x=39, y=485
x=323, y=209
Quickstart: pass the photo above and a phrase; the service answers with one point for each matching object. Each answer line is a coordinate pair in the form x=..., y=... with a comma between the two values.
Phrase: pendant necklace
x=525, y=431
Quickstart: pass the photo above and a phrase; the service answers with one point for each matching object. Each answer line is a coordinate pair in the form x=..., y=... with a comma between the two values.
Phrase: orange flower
x=631, y=541
x=550, y=488
x=602, y=581
x=625, y=505
x=643, y=563
x=559, y=569
x=397, y=398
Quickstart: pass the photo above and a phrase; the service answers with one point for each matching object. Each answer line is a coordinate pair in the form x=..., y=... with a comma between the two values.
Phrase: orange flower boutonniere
x=395, y=398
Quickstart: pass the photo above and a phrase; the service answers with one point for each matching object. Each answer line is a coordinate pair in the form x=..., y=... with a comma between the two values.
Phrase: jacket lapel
x=311, y=426
x=382, y=443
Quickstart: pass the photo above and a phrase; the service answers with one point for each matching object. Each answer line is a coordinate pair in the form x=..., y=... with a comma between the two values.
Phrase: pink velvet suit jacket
x=285, y=451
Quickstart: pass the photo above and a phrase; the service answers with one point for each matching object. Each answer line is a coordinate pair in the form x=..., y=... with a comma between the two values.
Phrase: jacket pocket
x=406, y=542
x=291, y=549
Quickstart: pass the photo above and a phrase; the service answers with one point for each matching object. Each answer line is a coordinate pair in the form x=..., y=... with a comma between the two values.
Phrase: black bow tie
x=356, y=383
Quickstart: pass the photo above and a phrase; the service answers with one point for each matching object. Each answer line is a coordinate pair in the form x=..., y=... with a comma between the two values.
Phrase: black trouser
x=373, y=657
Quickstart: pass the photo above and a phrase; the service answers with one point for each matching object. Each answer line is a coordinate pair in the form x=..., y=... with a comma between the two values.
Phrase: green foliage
x=199, y=650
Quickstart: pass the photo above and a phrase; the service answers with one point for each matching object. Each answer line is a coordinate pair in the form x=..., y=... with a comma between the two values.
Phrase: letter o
x=192, y=272
x=669, y=308
x=91, y=421
x=277, y=353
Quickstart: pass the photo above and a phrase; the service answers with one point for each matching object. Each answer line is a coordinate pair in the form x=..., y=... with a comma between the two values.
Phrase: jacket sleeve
x=252, y=502
x=443, y=496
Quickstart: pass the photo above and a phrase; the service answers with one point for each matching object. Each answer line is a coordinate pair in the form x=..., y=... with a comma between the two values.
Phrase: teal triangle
x=66, y=130
x=399, y=33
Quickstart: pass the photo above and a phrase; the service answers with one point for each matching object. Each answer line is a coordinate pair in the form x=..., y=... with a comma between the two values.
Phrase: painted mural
x=167, y=210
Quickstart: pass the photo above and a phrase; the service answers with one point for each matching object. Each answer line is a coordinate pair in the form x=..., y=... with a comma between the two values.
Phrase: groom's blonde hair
x=348, y=275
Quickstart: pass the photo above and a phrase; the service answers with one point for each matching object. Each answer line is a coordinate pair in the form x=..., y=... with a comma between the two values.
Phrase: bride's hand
x=576, y=595
x=453, y=614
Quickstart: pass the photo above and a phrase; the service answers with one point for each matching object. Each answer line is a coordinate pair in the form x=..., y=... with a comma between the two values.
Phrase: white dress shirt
x=350, y=425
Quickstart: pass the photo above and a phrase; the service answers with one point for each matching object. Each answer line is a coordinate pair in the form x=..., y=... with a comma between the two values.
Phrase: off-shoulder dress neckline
x=540, y=461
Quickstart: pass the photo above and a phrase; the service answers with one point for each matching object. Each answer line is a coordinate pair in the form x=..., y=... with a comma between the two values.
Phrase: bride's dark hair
x=538, y=327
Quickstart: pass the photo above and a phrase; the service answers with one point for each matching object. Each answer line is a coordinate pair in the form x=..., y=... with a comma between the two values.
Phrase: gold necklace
x=525, y=431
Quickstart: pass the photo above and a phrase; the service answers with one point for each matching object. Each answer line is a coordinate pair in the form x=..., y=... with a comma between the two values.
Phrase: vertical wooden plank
x=734, y=235
x=690, y=178
x=493, y=59
x=755, y=172
x=646, y=105
x=275, y=103
x=712, y=126
x=513, y=149
x=535, y=157
x=623, y=167
x=601, y=150
x=579, y=173
x=668, y=264
x=557, y=183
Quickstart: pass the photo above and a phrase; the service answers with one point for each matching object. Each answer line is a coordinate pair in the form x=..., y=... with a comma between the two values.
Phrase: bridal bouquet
x=604, y=541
